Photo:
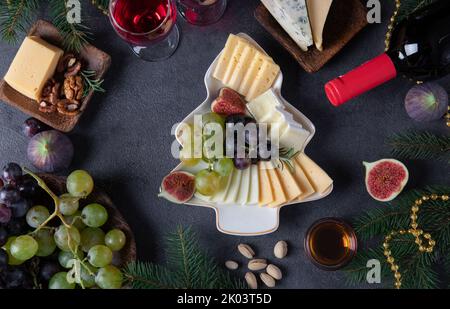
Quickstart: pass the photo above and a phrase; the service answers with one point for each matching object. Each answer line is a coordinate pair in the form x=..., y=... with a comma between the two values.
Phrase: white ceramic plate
x=245, y=220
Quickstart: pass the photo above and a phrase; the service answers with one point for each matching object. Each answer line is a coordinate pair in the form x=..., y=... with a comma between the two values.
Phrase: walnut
x=68, y=107
x=73, y=88
x=51, y=92
x=69, y=64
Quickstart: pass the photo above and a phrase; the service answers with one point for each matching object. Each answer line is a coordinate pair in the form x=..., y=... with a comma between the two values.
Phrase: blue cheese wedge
x=292, y=15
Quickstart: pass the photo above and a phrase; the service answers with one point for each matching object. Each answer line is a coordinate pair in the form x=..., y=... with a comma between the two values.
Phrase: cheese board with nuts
x=243, y=88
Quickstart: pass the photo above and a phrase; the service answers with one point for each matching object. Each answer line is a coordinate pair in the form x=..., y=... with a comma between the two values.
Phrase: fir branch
x=102, y=5
x=188, y=267
x=15, y=17
x=75, y=36
x=410, y=6
x=286, y=157
x=420, y=145
x=91, y=83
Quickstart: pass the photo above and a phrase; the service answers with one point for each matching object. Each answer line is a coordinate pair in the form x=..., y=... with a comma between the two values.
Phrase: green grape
x=109, y=277
x=115, y=239
x=100, y=256
x=65, y=256
x=207, y=182
x=59, y=281
x=46, y=242
x=94, y=215
x=24, y=247
x=224, y=166
x=87, y=279
x=7, y=247
x=211, y=118
x=68, y=204
x=37, y=215
x=67, y=239
x=90, y=237
x=76, y=220
x=79, y=184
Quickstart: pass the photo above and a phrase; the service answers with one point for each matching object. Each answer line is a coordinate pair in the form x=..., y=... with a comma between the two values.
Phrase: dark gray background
x=124, y=137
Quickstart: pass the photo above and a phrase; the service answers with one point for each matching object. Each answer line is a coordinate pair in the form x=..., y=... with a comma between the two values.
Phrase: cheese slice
x=292, y=15
x=290, y=186
x=278, y=191
x=266, y=195
x=34, y=64
x=234, y=60
x=264, y=79
x=318, y=178
x=244, y=190
x=233, y=191
x=202, y=197
x=263, y=106
x=219, y=197
x=318, y=13
x=294, y=136
x=241, y=67
x=302, y=181
x=255, y=66
x=253, y=197
x=225, y=57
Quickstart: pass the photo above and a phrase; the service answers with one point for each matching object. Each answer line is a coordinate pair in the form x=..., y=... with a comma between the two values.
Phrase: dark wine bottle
x=419, y=50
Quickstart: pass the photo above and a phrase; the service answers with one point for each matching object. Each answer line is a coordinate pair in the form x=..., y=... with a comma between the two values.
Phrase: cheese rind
x=318, y=178
x=318, y=13
x=292, y=15
x=34, y=64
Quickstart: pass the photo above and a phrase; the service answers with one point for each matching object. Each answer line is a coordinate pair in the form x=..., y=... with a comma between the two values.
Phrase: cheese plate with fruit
x=244, y=87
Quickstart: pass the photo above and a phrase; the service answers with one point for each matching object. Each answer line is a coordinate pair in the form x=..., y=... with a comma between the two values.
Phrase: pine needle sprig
x=188, y=267
x=420, y=145
x=91, y=82
x=418, y=269
x=102, y=5
x=410, y=6
x=16, y=17
x=75, y=35
x=286, y=157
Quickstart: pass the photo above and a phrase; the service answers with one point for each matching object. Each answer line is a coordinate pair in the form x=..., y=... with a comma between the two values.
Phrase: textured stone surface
x=124, y=137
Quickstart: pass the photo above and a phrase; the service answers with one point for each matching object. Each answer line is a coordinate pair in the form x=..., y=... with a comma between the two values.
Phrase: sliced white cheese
x=253, y=197
x=249, y=78
x=219, y=197
x=241, y=68
x=294, y=137
x=264, y=79
x=262, y=106
x=292, y=15
x=233, y=191
x=202, y=197
x=244, y=190
x=318, y=13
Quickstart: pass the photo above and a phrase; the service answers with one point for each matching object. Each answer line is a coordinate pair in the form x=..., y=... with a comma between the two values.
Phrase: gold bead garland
x=423, y=240
x=447, y=117
x=387, y=41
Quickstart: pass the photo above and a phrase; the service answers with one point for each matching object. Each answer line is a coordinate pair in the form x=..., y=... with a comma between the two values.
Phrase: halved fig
x=178, y=187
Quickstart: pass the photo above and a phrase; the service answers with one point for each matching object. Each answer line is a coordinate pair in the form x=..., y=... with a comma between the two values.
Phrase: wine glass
x=201, y=12
x=149, y=26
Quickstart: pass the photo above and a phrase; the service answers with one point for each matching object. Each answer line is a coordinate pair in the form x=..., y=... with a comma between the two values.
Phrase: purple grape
x=9, y=195
x=1, y=183
x=12, y=172
x=48, y=269
x=3, y=260
x=3, y=236
x=242, y=163
x=28, y=187
x=5, y=214
x=16, y=278
x=20, y=208
x=17, y=227
x=32, y=126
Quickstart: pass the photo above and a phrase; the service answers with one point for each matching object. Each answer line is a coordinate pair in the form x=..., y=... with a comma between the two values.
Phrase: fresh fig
x=426, y=102
x=50, y=151
x=228, y=103
x=178, y=187
x=385, y=179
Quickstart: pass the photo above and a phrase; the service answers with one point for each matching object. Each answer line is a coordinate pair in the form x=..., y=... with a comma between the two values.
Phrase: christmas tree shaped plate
x=251, y=219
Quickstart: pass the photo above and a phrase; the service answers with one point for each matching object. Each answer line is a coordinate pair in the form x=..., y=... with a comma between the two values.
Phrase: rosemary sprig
x=91, y=82
x=286, y=157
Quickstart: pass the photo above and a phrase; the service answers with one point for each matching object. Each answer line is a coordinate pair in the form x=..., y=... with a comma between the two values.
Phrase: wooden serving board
x=115, y=219
x=345, y=20
x=93, y=58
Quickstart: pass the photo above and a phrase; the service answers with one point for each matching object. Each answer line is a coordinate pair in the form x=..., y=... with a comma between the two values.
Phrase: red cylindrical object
x=362, y=79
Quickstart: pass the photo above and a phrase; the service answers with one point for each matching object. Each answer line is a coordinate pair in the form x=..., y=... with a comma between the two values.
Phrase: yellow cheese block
x=234, y=60
x=290, y=186
x=33, y=65
x=241, y=68
x=264, y=79
x=302, y=181
x=318, y=178
x=250, y=76
x=278, y=191
x=265, y=188
x=225, y=56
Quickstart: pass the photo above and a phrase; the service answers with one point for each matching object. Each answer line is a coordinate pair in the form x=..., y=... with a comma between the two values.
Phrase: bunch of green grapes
x=83, y=249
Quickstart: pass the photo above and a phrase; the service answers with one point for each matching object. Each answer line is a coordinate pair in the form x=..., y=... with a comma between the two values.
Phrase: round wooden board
x=115, y=220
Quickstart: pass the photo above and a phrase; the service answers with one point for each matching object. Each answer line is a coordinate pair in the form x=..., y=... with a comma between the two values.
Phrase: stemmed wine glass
x=202, y=12
x=149, y=26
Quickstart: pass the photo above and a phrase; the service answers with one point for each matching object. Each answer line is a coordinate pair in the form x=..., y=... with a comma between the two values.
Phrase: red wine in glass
x=202, y=12
x=149, y=26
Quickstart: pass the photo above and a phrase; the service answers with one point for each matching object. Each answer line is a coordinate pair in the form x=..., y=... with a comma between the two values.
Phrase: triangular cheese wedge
x=318, y=12
x=318, y=178
x=302, y=181
x=278, y=191
x=265, y=187
x=290, y=186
